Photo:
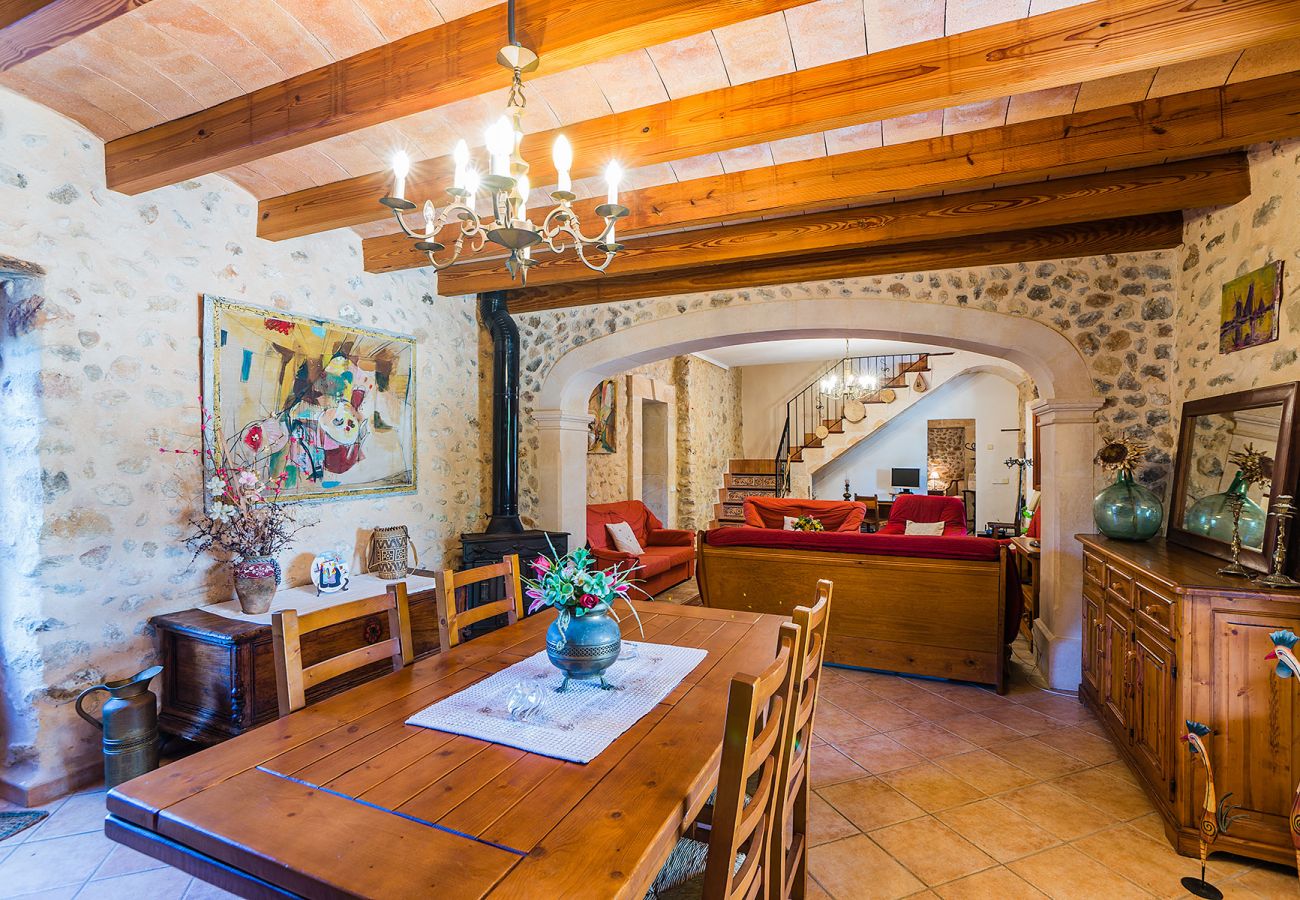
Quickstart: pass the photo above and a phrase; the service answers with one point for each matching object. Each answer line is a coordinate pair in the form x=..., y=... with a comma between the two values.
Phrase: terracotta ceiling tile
x=694, y=167
x=690, y=66
x=573, y=96
x=1128, y=88
x=756, y=48
x=376, y=229
x=309, y=161
x=644, y=177
x=589, y=187
x=854, y=137
x=200, y=78
x=916, y=127
x=60, y=68
x=895, y=23
x=974, y=116
x=455, y=9
x=809, y=146
x=1270, y=59
x=340, y=25
x=967, y=15
x=1193, y=75
x=250, y=181
x=1041, y=104
x=287, y=179
x=629, y=81
x=428, y=130
x=353, y=153
x=133, y=74
x=191, y=25
x=742, y=158
x=1038, y=7
x=826, y=31
x=398, y=18
x=42, y=90
x=269, y=26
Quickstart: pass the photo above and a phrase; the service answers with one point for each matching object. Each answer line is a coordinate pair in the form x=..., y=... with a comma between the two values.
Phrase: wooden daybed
x=937, y=606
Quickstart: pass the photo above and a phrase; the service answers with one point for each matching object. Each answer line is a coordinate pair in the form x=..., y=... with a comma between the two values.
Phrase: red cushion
x=925, y=508
x=1034, y=526
x=676, y=556
x=835, y=515
x=956, y=547
x=633, y=512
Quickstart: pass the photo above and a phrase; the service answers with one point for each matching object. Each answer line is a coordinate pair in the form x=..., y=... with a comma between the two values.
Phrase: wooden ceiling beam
x=29, y=28
x=1128, y=235
x=1192, y=183
x=1081, y=43
x=1213, y=120
x=422, y=71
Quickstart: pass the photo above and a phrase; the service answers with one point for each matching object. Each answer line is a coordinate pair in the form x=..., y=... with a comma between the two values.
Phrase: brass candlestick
x=1236, y=503
x=1283, y=508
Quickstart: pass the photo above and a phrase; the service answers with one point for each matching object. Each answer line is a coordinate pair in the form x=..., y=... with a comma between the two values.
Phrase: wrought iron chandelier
x=507, y=186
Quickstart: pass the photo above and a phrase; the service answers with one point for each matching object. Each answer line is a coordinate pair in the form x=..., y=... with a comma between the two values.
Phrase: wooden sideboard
x=1166, y=639
x=219, y=675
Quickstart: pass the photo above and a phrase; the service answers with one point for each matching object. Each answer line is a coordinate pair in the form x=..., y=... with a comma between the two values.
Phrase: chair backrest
x=788, y=853
x=451, y=618
x=872, y=503
x=292, y=679
x=758, y=720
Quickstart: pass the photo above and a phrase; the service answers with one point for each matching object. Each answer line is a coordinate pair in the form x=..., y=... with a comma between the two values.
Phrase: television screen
x=905, y=478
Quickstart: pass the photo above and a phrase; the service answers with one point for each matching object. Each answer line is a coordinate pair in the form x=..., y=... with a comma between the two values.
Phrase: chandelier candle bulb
x=562, y=154
x=401, y=168
x=461, y=157
x=500, y=137
x=522, y=186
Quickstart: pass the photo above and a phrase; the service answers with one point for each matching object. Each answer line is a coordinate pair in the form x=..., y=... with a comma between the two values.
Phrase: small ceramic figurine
x=329, y=572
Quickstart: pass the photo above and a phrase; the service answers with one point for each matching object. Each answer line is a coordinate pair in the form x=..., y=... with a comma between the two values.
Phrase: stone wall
x=1221, y=244
x=708, y=436
x=93, y=513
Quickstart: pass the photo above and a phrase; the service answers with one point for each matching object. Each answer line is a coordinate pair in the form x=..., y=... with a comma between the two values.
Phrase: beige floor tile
x=1024, y=720
x=38, y=865
x=981, y=730
x=933, y=707
x=825, y=824
x=1118, y=797
x=1037, y=758
x=967, y=695
x=156, y=884
x=59, y=893
x=856, y=869
x=837, y=725
x=1151, y=825
x=201, y=890
x=932, y=851
x=887, y=716
x=847, y=695
x=1270, y=882
x=829, y=765
x=124, y=861
x=1080, y=744
x=1067, y=709
x=1094, y=726
x=879, y=753
x=931, y=741
x=816, y=892
x=869, y=803
x=899, y=689
x=989, y=773
x=997, y=830
x=1064, y=816
x=1146, y=862
x=1064, y=873
x=79, y=814
x=930, y=787
x=991, y=884
x=1119, y=769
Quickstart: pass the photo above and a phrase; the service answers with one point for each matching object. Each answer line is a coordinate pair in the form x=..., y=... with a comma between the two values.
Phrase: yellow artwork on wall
x=1248, y=314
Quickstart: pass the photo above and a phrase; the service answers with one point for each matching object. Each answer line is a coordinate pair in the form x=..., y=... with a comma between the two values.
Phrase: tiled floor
x=922, y=789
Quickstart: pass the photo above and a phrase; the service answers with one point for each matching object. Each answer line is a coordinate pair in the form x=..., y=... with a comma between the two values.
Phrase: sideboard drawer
x=1155, y=608
x=1119, y=584
x=1094, y=569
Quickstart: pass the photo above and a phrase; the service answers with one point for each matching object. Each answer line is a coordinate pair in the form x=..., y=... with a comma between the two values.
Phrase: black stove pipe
x=505, y=413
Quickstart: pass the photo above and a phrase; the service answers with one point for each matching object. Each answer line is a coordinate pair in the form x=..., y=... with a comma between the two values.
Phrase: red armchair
x=669, y=553
x=923, y=508
x=835, y=515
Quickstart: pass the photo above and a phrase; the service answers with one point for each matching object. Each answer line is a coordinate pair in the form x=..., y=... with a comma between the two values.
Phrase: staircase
x=743, y=478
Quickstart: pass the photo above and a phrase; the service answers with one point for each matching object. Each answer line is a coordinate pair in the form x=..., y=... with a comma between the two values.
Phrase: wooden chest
x=218, y=676
x=1166, y=639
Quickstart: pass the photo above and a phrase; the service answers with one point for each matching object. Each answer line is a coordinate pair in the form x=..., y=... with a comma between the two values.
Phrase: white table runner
x=303, y=598
x=575, y=725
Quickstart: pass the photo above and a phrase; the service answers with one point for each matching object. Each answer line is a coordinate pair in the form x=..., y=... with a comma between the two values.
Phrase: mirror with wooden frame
x=1264, y=420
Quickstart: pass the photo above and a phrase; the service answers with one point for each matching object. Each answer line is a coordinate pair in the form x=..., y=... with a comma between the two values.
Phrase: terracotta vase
x=256, y=580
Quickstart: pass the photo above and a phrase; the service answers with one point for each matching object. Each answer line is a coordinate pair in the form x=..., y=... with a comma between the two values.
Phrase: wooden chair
x=292, y=679
x=451, y=619
x=872, y=520
x=789, y=847
x=759, y=709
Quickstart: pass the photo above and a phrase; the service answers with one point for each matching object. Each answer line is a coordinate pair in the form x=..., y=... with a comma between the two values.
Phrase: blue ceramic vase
x=1212, y=516
x=1127, y=511
x=587, y=646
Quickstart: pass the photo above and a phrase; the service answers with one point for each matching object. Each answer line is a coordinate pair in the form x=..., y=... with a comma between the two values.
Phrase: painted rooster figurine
x=1210, y=807
x=1284, y=651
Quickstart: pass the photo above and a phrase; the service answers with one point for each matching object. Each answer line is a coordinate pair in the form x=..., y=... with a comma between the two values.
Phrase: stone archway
x=1066, y=413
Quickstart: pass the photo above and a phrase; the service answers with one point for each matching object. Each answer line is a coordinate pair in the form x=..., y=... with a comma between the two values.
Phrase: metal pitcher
x=130, y=725
x=389, y=550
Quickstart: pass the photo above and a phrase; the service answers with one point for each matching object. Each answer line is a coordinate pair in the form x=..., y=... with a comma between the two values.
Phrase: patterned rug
x=19, y=820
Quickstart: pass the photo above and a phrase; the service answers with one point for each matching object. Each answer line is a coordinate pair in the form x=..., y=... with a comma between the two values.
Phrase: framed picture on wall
x=328, y=406
x=602, y=406
x=1250, y=309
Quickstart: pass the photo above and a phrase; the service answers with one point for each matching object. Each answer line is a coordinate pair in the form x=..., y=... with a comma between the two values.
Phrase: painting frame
x=215, y=311
x=1252, y=302
x=602, y=405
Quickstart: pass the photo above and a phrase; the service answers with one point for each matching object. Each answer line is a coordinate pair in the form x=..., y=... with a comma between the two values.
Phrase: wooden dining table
x=343, y=799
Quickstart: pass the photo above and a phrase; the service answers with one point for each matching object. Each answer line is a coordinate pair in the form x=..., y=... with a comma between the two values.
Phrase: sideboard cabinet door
x=1153, y=726
x=1117, y=667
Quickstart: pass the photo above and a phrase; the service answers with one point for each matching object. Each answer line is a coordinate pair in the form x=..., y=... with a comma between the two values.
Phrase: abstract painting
x=602, y=407
x=1248, y=315
x=328, y=406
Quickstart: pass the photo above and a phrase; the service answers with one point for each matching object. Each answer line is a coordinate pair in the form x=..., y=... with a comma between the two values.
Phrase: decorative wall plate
x=920, y=385
x=855, y=410
x=822, y=432
x=888, y=395
x=329, y=572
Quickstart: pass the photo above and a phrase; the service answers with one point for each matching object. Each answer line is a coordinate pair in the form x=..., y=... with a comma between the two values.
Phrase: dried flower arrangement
x=808, y=523
x=1121, y=454
x=1256, y=467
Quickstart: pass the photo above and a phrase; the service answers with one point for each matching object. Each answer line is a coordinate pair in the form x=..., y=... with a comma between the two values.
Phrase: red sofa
x=835, y=515
x=669, y=556
x=951, y=511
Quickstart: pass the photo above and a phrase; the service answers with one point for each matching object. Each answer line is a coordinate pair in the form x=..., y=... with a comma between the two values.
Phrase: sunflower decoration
x=1256, y=466
x=1121, y=454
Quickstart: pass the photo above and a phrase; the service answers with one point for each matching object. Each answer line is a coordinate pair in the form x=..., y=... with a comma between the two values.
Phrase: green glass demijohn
x=1127, y=511
x=1212, y=516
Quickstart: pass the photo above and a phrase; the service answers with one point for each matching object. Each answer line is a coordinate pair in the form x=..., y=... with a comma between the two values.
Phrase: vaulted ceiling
x=134, y=78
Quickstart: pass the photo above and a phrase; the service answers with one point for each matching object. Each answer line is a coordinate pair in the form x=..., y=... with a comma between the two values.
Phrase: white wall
x=764, y=391
x=902, y=443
